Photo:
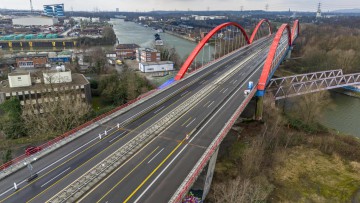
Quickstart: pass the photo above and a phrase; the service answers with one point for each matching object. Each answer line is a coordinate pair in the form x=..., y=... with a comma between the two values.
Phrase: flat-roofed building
x=147, y=55
x=161, y=66
x=36, y=88
x=35, y=20
x=126, y=51
x=32, y=60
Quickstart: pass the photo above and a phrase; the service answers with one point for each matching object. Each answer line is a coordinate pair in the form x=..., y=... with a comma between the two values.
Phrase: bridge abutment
x=203, y=182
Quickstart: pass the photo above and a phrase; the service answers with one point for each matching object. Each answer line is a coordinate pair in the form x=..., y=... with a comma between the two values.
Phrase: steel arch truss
x=198, y=48
x=256, y=33
x=300, y=88
x=285, y=81
x=295, y=30
x=278, y=49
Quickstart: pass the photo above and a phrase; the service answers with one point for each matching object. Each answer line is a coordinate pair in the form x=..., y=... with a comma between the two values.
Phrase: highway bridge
x=154, y=149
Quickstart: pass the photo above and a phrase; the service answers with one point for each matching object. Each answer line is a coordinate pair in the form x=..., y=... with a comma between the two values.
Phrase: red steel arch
x=198, y=48
x=269, y=60
x=258, y=27
x=296, y=25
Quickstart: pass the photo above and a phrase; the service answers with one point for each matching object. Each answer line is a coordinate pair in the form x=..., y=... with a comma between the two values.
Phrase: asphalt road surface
x=133, y=180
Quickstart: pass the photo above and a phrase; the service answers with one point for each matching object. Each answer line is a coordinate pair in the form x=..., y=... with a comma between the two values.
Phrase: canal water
x=343, y=115
x=130, y=32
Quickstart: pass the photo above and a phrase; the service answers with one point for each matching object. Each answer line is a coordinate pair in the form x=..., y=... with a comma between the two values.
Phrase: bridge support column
x=259, y=107
x=289, y=53
x=203, y=182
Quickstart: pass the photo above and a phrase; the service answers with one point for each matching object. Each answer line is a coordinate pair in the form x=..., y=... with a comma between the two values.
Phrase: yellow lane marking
x=152, y=173
x=126, y=174
x=39, y=178
x=75, y=169
x=186, y=121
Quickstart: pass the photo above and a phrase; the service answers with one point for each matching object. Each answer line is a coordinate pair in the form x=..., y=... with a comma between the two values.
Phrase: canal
x=130, y=32
x=343, y=115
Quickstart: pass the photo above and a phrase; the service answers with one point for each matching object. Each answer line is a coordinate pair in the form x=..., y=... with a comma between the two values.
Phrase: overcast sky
x=148, y=5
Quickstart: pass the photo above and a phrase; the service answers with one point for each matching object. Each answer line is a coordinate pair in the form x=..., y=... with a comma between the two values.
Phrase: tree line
x=326, y=47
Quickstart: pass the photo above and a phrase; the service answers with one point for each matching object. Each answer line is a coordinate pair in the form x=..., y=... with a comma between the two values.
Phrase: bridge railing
x=200, y=165
x=71, y=132
x=60, y=138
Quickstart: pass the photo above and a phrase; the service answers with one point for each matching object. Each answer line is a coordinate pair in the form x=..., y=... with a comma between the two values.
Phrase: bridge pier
x=288, y=56
x=203, y=182
x=259, y=107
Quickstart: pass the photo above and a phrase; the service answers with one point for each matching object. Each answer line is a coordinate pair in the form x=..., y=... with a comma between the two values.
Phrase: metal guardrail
x=195, y=172
x=91, y=177
x=17, y=163
x=300, y=88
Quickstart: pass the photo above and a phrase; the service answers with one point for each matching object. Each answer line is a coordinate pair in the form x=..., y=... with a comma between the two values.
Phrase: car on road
x=32, y=150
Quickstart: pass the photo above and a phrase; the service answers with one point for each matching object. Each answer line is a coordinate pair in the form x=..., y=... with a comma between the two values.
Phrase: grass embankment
x=275, y=161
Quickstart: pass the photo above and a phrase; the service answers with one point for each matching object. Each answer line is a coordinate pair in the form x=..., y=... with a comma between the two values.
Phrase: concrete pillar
x=289, y=53
x=259, y=107
x=204, y=180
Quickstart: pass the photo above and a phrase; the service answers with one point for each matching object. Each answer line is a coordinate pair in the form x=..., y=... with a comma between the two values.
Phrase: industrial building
x=126, y=51
x=54, y=10
x=82, y=19
x=33, y=88
x=152, y=67
x=32, y=60
x=35, y=20
x=147, y=55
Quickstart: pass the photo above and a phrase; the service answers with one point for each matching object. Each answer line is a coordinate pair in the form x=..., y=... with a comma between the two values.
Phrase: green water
x=343, y=114
x=130, y=32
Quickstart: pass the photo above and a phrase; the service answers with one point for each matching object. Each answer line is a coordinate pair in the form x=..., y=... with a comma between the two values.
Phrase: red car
x=32, y=150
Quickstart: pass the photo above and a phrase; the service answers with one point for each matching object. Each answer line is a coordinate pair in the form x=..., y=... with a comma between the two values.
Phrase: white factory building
x=160, y=66
x=35, y=20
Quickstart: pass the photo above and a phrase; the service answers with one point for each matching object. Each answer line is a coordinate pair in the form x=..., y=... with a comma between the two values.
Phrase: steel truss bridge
x=154, y=148
x=296, y=85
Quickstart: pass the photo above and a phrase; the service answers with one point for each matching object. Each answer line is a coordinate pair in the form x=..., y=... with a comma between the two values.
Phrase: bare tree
x=240, y=190
x=308, y=109
x=56, y=113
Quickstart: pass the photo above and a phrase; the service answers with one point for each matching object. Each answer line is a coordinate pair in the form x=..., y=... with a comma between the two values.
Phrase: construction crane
x=31, y=6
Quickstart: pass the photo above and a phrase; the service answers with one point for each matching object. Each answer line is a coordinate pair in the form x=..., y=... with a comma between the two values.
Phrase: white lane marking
x=117, y=136
x=155, y=112
x=226, y=90
x=232, y=81
x=216, y=72
x=202, y=82
x=68, y=154
x=211, y=104
x=156, y=103
x=187, y=144
x=156, y=155
x=235, y=82
x=206, y=103
x=222, y=90
x=184, y=93
x=190, y=123
x=55, y=177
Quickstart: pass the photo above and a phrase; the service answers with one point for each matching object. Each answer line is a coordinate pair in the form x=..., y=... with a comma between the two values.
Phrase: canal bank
x=130, y=32
x=181, y=36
